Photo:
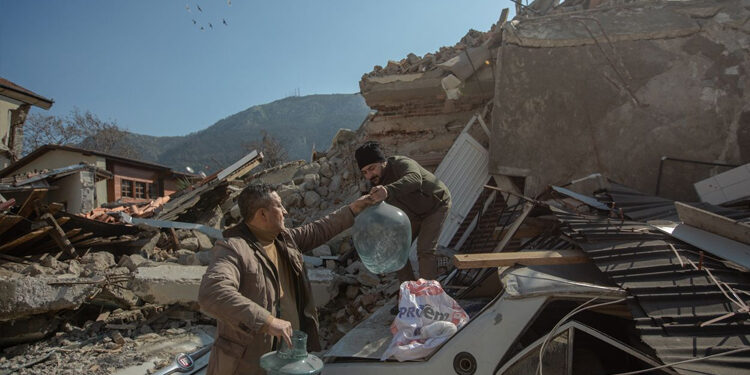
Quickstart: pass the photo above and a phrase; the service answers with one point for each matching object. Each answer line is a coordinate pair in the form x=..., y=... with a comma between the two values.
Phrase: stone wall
x=615, y=88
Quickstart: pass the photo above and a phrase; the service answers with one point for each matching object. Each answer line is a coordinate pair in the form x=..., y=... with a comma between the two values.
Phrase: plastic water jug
x=382, y=237
x=292, y=361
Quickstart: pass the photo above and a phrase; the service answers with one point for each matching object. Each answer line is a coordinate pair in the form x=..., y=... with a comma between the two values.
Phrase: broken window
x=140, y=189
x=126, y=188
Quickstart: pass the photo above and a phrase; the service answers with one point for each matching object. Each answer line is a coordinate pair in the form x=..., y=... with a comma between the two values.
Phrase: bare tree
x=41, y=130
x=274, y=152
x=82, y=129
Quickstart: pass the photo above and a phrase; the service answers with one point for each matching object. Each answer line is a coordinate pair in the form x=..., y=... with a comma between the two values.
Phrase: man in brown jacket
x=256, y=285
x=425, y=199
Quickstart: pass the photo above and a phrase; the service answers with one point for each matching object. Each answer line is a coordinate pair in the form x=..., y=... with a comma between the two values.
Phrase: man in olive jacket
x=256, y=285
x=425, y=199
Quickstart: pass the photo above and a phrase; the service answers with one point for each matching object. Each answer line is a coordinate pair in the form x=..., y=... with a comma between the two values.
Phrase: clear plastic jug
x=292, y=361
x=382, y=237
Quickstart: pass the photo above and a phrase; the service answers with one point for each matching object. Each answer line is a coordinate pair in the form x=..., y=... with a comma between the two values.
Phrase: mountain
x=297, y=122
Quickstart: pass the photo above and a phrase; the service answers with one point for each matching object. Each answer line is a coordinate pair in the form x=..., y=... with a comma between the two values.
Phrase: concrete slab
x=168, y=284
x=24, y=296
x=324, y=284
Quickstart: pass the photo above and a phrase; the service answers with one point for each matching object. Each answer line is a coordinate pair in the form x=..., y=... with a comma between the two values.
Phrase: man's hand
x=280, y=328
x=363, y=202
x=379, y=193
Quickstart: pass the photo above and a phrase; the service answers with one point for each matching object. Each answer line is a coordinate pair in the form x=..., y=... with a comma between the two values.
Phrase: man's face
x=373, y=172
x=275, y=214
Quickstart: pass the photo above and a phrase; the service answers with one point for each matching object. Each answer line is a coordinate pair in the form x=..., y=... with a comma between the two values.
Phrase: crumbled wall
x=663, y=79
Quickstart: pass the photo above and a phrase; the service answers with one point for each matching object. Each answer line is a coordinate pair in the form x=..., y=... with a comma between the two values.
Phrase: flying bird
x=202, y=29
x=225, y=22
x=187, y=7
x=229, y=2
x=210, y=25
x=199, y=8
x=194, y=22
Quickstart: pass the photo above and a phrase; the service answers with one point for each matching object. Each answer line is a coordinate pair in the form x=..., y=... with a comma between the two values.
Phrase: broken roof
x=12, y=90
x=62, y=172
x=47, y=148
x=679, y=307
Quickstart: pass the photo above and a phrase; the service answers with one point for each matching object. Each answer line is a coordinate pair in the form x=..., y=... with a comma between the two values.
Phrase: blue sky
x=146, y=65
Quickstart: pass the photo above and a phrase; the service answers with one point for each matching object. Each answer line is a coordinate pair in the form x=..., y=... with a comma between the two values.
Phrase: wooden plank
x=8, y=221
x=174, y=240
x=62, y=220
x=527, y=258
x=242, y=171
x=25, y=238
x=514, y=227
x=55, y=207
x=58, y=235
x=31, y=202
x=75, y=239
x=51, y=244
x=713, y=223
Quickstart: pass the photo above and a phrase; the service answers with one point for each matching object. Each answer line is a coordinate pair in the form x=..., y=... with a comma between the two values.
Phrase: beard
x=375, y=180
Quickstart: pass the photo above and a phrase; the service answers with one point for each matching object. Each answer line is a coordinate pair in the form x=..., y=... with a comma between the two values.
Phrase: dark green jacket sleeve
x=410, y=180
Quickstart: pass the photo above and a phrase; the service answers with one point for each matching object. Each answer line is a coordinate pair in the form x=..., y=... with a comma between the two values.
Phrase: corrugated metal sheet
x=669, y=299
x=642, y=207
x=464, y=171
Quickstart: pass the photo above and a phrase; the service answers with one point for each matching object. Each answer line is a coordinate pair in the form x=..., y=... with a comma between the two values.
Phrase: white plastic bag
x=426, y=318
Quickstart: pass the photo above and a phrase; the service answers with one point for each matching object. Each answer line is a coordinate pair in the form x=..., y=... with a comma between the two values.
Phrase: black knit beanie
x=369, y=153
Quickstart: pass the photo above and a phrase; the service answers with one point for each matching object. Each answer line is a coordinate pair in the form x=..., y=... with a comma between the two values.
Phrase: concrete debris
x=168, y=284
x=39, y=293
x=415, y=64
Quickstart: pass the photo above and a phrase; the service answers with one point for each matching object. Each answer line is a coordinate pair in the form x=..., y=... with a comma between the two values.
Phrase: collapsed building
x=554, y=131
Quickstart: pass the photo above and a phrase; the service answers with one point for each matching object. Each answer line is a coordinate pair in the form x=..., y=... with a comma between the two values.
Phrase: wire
x=575, y=311
x=685, y=361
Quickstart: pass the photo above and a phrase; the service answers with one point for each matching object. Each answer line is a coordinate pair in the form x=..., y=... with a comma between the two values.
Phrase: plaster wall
x=6, y=105
x=68, y=192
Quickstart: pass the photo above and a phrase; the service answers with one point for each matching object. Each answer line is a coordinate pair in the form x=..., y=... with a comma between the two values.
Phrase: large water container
x=382, y=237
x=292, y=361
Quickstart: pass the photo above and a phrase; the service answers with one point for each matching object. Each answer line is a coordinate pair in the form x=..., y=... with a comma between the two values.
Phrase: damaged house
x=15, y=103
x=129, y=180
x=554, y=131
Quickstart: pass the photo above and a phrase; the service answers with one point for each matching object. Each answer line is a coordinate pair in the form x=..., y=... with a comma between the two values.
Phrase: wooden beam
x=711, y=222
x=80, y=237
x=526, y=258
x=244, y=170
x=174, y=240
x=31, y=202
x=25, y=238
x=8, y=221
x=46, y=246
x=58, y=235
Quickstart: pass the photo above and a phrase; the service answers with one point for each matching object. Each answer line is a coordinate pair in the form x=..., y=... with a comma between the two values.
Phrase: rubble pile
x=415, y=64
x=98, y=310
x=311, y=190
x=120, y=340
